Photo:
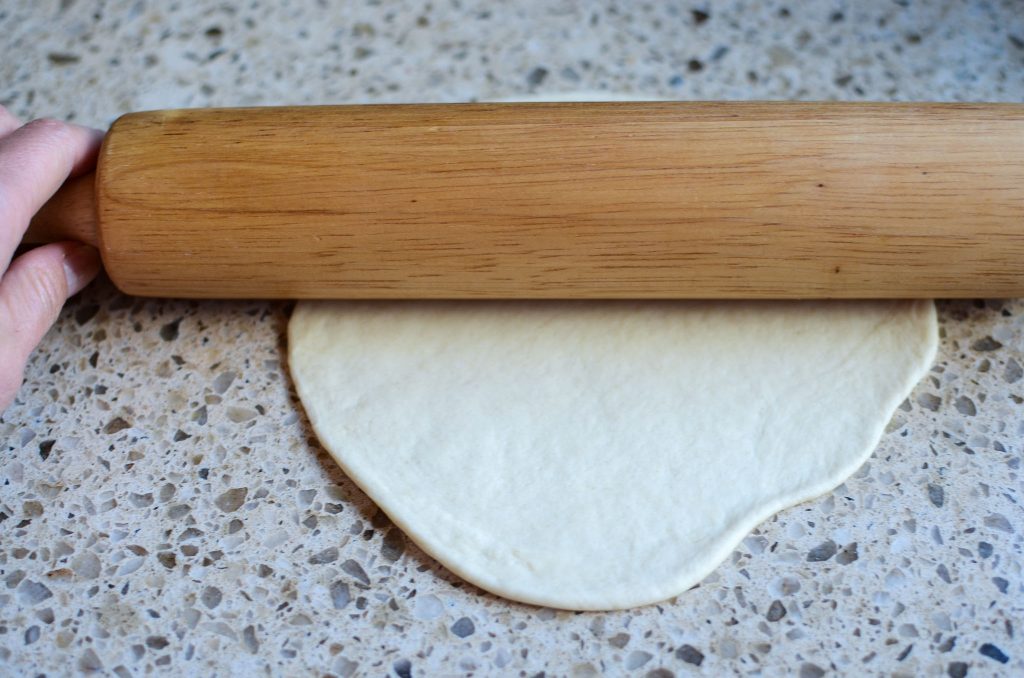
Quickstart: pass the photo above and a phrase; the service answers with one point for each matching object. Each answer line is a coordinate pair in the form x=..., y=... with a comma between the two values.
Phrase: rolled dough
x=599, y=455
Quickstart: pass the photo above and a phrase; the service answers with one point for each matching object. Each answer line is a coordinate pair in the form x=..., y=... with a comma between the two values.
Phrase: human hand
x=35, y=159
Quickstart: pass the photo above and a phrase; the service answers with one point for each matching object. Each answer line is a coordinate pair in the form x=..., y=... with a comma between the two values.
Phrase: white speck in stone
x=240, y=414
x=637, y=658
x=502, y=658
x=275, y=539
x=784, y=586
x=191, y=617
x=130, y=565
x=220, y=628
x=345, y=667
x=900, y=543
x=428, y=607
x=895, y=579
x=86, y=565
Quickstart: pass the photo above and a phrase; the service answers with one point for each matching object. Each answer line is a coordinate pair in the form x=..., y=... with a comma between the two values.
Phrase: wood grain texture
x=611, y=200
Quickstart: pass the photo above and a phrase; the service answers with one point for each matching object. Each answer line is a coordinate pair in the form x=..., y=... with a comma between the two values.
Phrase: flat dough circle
x=599, y=455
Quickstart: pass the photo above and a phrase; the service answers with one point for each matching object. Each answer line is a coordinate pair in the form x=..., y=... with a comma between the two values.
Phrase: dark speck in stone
x=169, y=332
x=328, y=555
x=1001, y=584
x=619, y=640
x=167, y=559
x=63, y=58
x=986, y=344
x=809, y=670
x=89, y=662
x=232, y=499
x=32, y=592
x=822, y=552
x=1015, y=41
x=992, y=652
x=156, y=642
x=403, y=668
x=1013, y=371
x=699, y=16
x=906, y=652
x=965, y=406
x=463, y=628
x=843, y=80
x=393, y=546
x=85, y=313
x=984, y=549
x=178, y=511
x=836, y=17
x=999, y=522
x=180, y=435
x=719, y=52
x=380, y=520
x=116, y=424
x=929, y=401
x=695, y=65
x=214, y=32
x=784, y=13
x=211, y=597
x=956, y=669
x=44, y=449
x=356, y=570
x=690, y=655
x=776, y=612
x=936, y=495
x=847, y=554
x=537, y=76
x=264, y=571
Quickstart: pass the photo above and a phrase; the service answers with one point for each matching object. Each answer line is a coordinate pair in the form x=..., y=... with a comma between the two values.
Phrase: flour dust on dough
x=600, y=455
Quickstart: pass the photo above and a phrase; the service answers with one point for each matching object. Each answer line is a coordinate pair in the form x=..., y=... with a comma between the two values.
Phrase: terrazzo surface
x=164, y=507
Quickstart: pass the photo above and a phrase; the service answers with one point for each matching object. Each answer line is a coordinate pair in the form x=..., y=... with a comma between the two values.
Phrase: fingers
x=8, y=122
x=35, y=159
x=32, y=293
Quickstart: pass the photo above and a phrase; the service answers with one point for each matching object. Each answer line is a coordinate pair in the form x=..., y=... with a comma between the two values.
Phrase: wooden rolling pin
x=596, y=200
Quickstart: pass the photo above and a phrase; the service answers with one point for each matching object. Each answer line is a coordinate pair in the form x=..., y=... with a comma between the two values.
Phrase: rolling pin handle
x=69, y=215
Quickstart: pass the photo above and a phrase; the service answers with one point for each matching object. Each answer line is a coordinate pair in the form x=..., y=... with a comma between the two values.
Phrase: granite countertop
x=166, y=508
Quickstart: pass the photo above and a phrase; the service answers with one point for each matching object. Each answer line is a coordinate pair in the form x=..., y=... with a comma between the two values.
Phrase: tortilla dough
x=600, y=455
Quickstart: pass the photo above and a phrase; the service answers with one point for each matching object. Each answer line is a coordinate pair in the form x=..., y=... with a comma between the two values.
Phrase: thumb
x=32, y=292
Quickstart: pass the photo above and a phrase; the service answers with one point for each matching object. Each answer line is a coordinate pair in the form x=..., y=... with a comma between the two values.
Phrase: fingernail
x=81, y=264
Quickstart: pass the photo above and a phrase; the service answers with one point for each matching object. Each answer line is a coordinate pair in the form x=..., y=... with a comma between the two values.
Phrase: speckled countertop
x=165, y=507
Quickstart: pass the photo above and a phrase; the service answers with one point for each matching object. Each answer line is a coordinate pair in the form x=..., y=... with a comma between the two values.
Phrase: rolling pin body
x=609, y=200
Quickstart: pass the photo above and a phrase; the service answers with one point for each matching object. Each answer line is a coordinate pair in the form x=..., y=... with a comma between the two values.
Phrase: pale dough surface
x=600, y=455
